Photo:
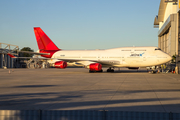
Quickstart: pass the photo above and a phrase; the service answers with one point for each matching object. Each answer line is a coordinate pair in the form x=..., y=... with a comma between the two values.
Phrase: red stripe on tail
x=43, y=41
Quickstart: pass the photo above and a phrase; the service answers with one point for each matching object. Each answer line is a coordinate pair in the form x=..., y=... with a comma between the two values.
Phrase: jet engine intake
x=95, y=67
x=60, y=64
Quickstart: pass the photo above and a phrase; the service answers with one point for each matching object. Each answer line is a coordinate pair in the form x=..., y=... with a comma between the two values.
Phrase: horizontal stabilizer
x=10, y=55
x=36, y=53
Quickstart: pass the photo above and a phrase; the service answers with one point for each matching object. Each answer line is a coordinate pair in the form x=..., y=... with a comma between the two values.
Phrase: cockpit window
x=157, y=49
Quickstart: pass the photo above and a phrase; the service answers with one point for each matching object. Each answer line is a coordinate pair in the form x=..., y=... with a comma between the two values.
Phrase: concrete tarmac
x=76, y=89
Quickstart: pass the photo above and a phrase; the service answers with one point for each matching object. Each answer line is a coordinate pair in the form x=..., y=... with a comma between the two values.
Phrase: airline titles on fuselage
x=136, y=55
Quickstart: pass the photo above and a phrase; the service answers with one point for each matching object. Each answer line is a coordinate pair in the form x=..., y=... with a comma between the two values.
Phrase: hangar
x=168, y=23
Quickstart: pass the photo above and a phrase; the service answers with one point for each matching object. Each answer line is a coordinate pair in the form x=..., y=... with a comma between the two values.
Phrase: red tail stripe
x=43, y=41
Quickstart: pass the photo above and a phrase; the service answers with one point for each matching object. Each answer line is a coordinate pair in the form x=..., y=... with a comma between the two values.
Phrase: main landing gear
x=153, y=71
x=110, y=70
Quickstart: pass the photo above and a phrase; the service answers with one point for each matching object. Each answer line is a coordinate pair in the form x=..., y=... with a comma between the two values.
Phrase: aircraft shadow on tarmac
x=63, y=101
x=131, y=71
x=34, y=86
x=122, y=70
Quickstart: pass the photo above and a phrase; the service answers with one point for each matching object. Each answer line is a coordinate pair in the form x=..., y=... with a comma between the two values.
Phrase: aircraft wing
x=108, y=62
x=103, y=62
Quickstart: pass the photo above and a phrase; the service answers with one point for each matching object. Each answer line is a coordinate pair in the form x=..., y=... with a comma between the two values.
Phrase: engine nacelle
x=95, y=67
x=60, y=64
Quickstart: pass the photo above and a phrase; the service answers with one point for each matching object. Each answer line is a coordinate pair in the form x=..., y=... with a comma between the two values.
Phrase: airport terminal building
x=168, y=23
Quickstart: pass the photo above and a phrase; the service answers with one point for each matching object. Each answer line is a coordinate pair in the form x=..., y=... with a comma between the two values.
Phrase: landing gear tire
x=110, y=70
x=153, y=71
x=100, y=70
x=91, y=71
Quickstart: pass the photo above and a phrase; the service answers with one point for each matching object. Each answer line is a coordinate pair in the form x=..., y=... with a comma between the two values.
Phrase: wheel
x=153, y=72
x=100, y=70
x=108, y=70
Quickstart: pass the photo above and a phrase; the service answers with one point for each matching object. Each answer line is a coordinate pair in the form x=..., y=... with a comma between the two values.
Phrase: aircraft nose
x=169, y=58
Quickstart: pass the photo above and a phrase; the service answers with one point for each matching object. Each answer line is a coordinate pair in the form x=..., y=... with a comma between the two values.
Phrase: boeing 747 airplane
x=94, y=60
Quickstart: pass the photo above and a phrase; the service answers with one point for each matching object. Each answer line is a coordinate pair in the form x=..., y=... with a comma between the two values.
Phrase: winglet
x=12, y=56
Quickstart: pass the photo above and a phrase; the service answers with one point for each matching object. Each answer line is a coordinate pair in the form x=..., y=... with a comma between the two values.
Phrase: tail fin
x=43, y=41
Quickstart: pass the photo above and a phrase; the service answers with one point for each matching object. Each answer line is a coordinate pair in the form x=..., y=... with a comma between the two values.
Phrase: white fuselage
x=117, y=57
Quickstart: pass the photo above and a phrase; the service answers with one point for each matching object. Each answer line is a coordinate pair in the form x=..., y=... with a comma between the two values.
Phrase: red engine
x=60, y=64
x=95, y=67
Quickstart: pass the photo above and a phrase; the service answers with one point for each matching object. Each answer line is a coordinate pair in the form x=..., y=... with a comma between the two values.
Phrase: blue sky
x=80, y=24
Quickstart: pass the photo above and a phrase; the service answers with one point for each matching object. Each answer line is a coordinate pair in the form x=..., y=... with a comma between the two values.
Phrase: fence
x=84, y=115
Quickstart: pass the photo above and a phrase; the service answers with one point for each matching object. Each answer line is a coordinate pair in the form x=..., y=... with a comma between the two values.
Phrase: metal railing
x=4, y=49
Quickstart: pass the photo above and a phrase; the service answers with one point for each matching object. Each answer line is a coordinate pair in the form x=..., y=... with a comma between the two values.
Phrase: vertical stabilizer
x=43, y=41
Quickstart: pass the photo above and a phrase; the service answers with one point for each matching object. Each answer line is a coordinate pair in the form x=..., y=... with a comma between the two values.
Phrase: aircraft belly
x=134, y=62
